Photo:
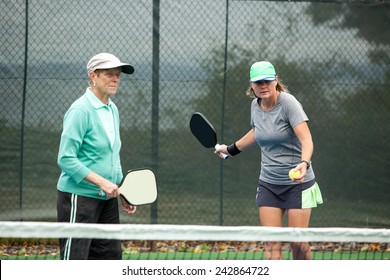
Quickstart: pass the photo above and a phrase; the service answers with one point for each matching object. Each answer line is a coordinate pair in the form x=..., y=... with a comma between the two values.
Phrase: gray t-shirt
x=280, y=147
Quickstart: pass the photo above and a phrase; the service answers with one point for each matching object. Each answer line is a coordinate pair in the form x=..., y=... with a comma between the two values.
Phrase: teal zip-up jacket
x=85, y=147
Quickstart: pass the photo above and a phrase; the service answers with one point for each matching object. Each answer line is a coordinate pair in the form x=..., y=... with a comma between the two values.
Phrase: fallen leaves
x=25, y=248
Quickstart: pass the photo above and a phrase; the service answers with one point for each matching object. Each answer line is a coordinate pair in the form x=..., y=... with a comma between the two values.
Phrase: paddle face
x=139, y=187
x=203, y=130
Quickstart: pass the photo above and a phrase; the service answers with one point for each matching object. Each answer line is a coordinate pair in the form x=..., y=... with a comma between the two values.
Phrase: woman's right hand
x=107, y=188
x=222, y=148
x=111, y=189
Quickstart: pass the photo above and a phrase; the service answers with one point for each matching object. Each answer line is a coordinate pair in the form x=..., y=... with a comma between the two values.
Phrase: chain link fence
x=195, y=55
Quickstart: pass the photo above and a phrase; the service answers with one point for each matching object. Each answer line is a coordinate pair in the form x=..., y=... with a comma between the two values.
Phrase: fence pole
x=223, y=113
x=21, y=214
x=155, y=96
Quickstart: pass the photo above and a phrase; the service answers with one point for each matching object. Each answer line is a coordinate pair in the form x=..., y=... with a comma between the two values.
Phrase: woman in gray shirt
x=279, y=127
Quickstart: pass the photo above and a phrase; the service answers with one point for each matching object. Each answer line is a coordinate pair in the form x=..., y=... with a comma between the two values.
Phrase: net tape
x=189, y=232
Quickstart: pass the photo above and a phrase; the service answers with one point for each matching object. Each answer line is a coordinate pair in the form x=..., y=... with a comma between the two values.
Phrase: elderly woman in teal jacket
x=89, y=157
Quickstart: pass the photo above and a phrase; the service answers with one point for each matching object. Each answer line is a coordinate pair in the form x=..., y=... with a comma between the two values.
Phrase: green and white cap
x=262, y=71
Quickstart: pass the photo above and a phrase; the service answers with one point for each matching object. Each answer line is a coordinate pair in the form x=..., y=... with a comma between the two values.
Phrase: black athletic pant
x=72, y=208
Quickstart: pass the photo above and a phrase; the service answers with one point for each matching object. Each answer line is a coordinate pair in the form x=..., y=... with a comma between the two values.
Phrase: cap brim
x=263, y=78
x=127, y=69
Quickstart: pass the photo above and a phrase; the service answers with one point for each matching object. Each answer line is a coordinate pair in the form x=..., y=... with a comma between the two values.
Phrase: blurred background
x=195, y=55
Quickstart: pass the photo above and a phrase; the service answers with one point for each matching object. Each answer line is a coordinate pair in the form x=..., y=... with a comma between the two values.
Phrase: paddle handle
x=102, y=193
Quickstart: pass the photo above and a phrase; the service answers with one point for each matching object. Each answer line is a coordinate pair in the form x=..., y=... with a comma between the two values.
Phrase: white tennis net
x=190, y=232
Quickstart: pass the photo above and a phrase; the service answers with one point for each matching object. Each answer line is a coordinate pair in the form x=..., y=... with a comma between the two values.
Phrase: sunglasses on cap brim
x=263, y=81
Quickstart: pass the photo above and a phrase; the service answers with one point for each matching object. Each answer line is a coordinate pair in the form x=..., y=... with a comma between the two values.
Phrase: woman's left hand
x=302, y=167
x=128, y=208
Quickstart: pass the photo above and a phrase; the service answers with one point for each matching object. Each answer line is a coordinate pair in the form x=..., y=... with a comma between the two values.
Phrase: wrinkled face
x=106, y=81
x=264, y=89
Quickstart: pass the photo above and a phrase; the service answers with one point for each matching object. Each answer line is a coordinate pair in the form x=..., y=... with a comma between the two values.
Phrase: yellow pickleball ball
x=293, y=174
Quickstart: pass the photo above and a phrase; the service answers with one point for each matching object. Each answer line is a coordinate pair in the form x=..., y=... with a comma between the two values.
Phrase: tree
x=372, y=25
